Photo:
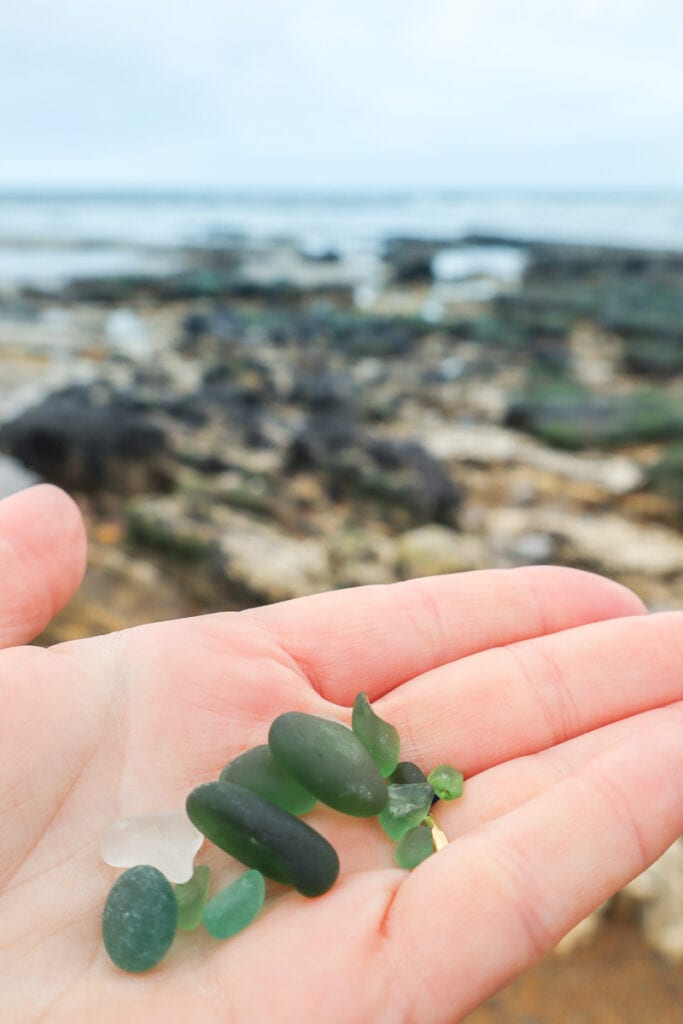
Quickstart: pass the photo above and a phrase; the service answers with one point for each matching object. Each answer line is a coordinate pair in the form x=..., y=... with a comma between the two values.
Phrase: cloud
x=333, y=92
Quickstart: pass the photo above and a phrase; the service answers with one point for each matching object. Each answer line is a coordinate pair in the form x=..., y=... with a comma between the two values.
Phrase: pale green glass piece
x=140, y=918
x=257, y=770
x=414, y=847
x=236, y=906
x=407, y=806
x=447, y=782
x=192, y=897
x=380, y=739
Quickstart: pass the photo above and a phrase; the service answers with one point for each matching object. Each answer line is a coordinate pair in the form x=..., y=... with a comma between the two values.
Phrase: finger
x=42, y=560
x=504, y=703
x=374, y=638
x=491, y=904
x=501, y=789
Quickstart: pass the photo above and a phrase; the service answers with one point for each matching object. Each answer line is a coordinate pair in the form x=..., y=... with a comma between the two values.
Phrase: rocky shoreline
x=225, y=418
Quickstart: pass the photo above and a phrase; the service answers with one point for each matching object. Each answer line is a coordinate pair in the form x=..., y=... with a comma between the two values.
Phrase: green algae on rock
x=447, y=782
x=330, y=761
x=192, y=897
x=407, y=806
x=263, y=836
x=379, y=738
x=236, y=906
x=140, y=919
x=257, y=770
x=414, y=846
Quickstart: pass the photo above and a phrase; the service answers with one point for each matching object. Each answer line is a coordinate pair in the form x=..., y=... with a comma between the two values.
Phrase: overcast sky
x=342, y=93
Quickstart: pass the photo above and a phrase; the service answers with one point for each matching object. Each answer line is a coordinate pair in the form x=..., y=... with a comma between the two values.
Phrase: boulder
x=432, y=549
x=88, y=437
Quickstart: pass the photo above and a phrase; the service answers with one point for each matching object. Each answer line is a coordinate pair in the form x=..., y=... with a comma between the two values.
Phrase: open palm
x=559, y=700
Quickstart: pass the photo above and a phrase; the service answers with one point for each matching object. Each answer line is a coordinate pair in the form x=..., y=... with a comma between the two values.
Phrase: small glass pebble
x=236, y=906
x=192, y=897
x=448, y=782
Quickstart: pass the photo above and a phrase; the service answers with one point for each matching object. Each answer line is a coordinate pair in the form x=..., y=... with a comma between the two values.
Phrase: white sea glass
x=167, y=841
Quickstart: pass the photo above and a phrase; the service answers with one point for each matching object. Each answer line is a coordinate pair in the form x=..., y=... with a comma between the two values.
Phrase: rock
x=488, y=444
x=660, y=892
x=566, y=417
x=88, y=438
x=431, y=550
x=607, y=543
x=270, y=565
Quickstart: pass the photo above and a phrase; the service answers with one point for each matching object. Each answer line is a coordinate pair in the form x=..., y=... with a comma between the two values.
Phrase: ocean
x=51, y=237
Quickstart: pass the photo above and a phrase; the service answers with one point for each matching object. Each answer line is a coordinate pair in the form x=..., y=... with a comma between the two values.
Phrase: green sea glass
x=380, y=739
x=257, y=770
x=191, y=898
x=447, y=782
x=236, y=906
x=407, y=806
x=329, y=761
x=406, y=772
x=140, y=918
x=263, y=836
x=414, y=846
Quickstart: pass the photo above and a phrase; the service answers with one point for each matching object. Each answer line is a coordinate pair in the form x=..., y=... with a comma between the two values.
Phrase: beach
x=253, y=400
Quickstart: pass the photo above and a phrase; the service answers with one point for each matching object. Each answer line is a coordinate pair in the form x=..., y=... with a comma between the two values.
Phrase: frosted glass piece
x=168, y=842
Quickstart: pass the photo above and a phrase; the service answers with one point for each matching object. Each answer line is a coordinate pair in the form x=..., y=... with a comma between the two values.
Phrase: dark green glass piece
x=407, y=806
x=447, y=782
x=258, y=771
x=406, y=772
x=329, y=761
x=236, y=906
x=380, y=739
x=414, y=847
x=263, y=836
x=140, y=918
x=191, y=898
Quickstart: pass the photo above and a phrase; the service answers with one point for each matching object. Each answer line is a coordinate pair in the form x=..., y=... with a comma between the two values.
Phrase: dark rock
x=567, y=417
x=87, y=438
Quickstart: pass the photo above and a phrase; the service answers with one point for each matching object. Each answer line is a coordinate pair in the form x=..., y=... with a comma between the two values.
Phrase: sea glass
x=167, y=841
x=414, y=846
x=380, y=739
x=257, y=770
x=329, y=761
x=192, y=897
x=407, y=806
x=447, y=782
x=236, y=906
x=406, y=772
x=263, y=836
x=139, y=919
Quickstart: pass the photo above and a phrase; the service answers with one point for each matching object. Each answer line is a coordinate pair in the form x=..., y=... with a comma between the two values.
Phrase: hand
x=561, y=702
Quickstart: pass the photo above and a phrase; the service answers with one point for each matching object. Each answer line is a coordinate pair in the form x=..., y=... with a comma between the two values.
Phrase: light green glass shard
x=414, y=847
x=380, y=739
x=236, y=906
x=407, y=806
x=191, y=898
x=447, y=782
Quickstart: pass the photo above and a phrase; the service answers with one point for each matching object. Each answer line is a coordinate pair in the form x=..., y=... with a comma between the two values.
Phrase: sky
x=489, y=94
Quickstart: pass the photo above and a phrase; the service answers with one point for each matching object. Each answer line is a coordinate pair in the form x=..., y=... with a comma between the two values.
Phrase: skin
x=560, y=700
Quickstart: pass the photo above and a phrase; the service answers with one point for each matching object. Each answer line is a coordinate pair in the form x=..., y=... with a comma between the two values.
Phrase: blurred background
x=306, y=295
